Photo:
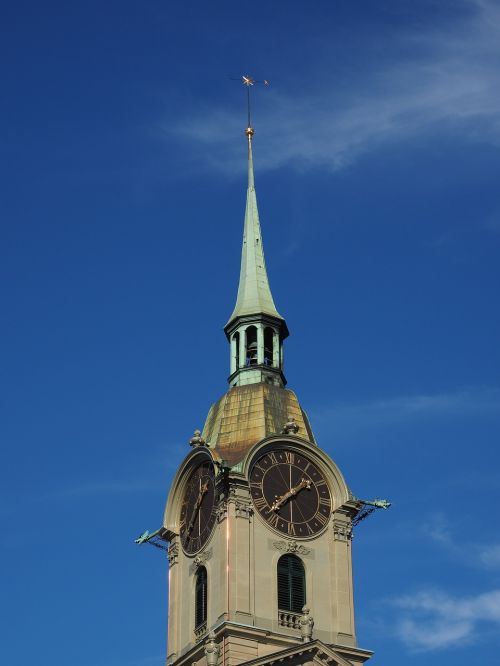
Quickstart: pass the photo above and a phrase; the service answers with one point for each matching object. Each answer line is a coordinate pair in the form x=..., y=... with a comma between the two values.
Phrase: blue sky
x=377, y=154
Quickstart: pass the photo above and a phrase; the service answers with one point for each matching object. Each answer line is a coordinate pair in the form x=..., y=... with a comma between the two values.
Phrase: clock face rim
x=282, y=447
x=192, y=495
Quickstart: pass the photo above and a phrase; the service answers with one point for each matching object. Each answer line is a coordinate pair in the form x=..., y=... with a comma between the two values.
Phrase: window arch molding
x=291, y=576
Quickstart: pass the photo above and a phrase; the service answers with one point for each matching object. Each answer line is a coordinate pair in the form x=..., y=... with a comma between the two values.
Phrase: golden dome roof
x=246, y=414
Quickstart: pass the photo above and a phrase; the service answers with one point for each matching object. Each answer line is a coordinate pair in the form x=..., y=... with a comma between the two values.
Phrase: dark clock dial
x=290, y=493
x=197, y=516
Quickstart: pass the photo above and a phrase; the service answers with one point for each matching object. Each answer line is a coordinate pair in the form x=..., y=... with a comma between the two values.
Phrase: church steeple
x=254, y=292
x=255, y=329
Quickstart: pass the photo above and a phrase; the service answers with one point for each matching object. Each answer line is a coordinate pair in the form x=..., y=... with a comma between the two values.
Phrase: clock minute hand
x=196, y=507
x=278, y=503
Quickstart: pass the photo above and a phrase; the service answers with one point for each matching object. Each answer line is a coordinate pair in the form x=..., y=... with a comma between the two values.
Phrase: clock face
x=198, y=508
x=290, y=493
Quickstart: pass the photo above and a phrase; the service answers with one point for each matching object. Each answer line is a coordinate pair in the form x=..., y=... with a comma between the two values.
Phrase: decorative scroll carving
x=291, y=547
x=243, y=510
x=203, y=557
x=221, y=511
x=200, y=559
x=172, y=554
x=342, y=531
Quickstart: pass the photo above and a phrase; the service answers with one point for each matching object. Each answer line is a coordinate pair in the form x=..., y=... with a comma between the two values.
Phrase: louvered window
x=201, y=597
x=291, y=584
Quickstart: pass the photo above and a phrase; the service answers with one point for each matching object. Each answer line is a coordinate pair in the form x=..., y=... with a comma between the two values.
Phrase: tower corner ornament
x=258, y=522
x=306, y=623
x=211, y=650
x=197, y=439
x=290, y=427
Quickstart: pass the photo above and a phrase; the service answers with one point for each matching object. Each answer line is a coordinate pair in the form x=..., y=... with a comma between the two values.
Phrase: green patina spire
x=254, y=293
x=255, y=329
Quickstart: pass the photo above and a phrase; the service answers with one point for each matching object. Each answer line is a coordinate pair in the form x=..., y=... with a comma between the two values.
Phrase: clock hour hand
x=279, y=501
x=197, y=505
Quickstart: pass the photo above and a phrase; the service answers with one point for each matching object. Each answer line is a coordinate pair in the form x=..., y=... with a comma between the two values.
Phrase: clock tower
x=259, y=519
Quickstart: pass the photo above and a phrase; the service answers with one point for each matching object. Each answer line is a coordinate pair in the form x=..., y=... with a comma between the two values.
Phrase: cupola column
x=276, y=350
x=243, y=347
x=234, y=353
x=260, y=344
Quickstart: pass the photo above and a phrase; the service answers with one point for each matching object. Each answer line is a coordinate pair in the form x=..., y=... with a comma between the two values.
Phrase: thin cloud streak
x=433, y=620
x=479, y=555
x=470, y=401
x=451, y=85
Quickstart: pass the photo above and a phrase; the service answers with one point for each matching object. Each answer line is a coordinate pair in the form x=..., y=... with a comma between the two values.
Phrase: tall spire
x=254, y=293
x=255, y=329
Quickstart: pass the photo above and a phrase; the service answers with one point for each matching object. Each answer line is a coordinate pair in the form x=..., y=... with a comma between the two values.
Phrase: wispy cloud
x=434, y=620
x=482, y=555
x=358, y=416
x=449, y=83
x=490, y=556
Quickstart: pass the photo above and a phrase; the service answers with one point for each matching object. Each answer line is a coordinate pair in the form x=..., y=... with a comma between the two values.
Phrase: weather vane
x=248, y=82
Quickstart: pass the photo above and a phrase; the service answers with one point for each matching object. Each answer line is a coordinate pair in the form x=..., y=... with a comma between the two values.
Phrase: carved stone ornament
x=173, y=553
x=197, y=439
x=342, y=531
x=221, y=511
x=200, y=560
x=243, y=510
x=306, y=623
x=290, y=426
x=212, y=650
x=291, y=547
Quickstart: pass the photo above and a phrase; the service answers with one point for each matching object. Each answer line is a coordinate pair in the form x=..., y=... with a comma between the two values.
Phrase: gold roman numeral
x=322, y=520
x=273, y=519
x=290, y=457
x=260, y=503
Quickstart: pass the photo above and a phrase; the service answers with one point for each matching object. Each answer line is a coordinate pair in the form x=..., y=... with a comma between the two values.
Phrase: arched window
x=291, y=584
x=200, y=604
x=268, y=346
x=251, y=335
